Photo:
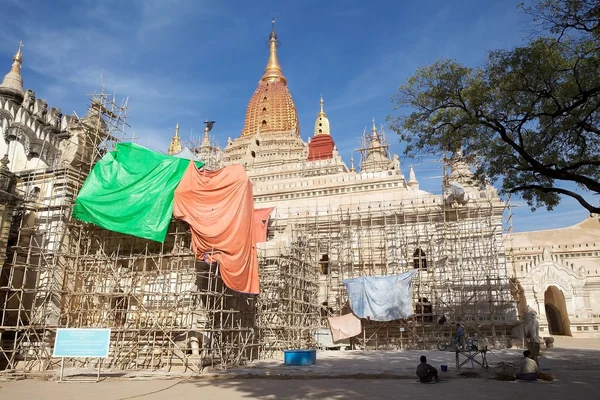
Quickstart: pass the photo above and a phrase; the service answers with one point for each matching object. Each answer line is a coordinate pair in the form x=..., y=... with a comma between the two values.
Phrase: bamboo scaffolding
x=165, y=309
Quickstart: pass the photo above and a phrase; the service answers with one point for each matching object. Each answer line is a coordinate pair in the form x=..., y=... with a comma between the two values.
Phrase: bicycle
x=470, y=344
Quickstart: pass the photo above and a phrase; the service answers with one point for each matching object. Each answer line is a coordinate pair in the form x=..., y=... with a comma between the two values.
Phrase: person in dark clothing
x=426, y=372
x=460, y=337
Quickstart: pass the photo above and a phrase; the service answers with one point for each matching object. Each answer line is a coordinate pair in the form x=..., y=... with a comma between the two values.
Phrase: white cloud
x=105, y=42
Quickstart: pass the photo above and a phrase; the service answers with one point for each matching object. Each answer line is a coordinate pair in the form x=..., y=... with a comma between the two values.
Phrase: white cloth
x=528, y=366
x=381, y=298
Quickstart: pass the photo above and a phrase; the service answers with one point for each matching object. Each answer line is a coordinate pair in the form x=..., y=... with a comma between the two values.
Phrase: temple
x=310, y=181
x=326, y=222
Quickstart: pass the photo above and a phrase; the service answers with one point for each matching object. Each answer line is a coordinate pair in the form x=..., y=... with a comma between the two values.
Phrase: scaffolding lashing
x=458, y=252
x=288, y=308
x=166, y=309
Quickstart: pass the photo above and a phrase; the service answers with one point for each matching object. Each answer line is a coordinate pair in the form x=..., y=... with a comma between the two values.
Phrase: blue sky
x=187, y=61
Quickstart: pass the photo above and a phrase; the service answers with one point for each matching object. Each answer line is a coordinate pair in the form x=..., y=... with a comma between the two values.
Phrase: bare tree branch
x=565, y=192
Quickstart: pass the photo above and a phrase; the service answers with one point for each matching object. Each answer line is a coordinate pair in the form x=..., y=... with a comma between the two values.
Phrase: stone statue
x=40, y=108
x=396, y=162
x=29, y=100
x=53, y=118
x=229, y=141
x=531, y=328
x=209, y=125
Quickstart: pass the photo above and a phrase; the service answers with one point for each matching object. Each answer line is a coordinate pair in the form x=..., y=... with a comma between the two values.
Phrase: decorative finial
x=273, y=35
x=352, y=164
x=177, y=129
x=273, y=70
x=12, y=84
x=374, y=136
x=19, y=56
x=412, y=178
x=322, y=123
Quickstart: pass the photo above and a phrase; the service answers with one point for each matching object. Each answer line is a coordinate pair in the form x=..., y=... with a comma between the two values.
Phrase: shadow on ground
x=576, y=370
x=472, y=389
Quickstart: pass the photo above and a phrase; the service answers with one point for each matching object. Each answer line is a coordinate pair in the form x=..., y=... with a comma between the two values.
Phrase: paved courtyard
x=337, y=375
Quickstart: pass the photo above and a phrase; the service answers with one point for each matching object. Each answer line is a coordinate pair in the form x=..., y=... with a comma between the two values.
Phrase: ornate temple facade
x=553, y=272
x=329, y=222
x=374, y=220
x=558, y=271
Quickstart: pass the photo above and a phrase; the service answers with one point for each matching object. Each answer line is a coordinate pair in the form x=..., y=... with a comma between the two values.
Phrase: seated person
x=528, y=370
x=426, y=372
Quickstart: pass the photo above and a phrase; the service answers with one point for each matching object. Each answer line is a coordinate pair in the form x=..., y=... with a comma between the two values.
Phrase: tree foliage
x=529, y=116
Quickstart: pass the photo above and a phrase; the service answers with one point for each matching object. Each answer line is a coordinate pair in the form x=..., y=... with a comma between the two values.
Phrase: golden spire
x=273, y=70
x=13, y=81
x=175, y=146
x=18, y=58
x=271, y=108
x=352, y=169
x=17, y=62
x=322, y=123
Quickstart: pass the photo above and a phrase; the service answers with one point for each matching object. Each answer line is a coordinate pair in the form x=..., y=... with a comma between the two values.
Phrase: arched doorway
x=556, y=312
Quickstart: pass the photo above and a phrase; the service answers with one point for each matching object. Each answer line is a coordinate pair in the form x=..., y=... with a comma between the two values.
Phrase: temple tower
x=321, y=145
x=175, y=146
x=271, y=133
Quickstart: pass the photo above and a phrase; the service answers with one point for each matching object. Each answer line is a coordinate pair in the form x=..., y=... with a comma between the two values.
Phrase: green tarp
x=130, y=190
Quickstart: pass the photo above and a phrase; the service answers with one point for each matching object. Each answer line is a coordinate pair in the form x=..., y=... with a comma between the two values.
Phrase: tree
x=529, y=116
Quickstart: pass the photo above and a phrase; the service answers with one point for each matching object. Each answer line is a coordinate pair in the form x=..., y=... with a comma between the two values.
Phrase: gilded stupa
x=175, y=146
x=271, y=108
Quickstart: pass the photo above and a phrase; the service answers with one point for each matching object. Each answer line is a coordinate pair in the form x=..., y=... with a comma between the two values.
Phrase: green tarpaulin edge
x=130, y=191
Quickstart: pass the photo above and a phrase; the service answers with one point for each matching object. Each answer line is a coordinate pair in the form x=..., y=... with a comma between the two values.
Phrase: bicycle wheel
x=442, y=346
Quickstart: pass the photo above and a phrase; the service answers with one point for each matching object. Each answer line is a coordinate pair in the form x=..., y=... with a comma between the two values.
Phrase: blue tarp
x=381, y=298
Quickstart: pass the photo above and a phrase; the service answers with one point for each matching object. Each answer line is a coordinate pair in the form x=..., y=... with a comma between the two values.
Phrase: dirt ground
x=572, y=385
x=575, y=363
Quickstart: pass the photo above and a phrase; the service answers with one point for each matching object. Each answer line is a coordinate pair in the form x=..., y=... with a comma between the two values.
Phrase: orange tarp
x=261, y=223
x=219, y=208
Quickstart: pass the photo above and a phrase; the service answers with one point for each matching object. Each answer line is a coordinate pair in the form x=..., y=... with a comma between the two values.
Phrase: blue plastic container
x=300, y=357
x=444, y=368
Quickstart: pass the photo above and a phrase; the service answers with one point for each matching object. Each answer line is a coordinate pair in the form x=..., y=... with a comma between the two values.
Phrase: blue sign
x=80, y=342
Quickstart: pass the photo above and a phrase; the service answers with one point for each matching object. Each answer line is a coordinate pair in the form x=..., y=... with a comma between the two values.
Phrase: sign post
x=81, y=343
x=401, y=336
